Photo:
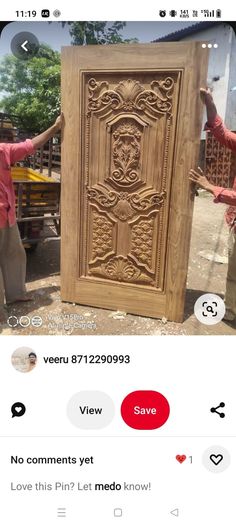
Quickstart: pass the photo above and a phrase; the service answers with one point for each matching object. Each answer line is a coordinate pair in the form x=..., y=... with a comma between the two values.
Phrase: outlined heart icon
x=216, y=458
x=180, y=458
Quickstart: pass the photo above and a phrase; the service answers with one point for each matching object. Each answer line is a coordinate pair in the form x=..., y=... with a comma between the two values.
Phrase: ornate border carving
x=129, y=95
x=124, y=205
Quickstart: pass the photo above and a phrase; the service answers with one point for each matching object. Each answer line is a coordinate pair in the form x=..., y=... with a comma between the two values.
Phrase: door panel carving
x=128, y=123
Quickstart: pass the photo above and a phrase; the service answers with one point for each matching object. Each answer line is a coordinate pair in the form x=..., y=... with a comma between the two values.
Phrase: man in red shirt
x=12, y=253
x=222, y=195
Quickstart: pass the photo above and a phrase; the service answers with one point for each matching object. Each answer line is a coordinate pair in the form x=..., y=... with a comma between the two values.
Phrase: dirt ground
x=208, y=243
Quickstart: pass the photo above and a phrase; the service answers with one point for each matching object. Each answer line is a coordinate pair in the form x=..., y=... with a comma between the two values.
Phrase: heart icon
x=180, y=458
x=216, y=458
x=18, y=409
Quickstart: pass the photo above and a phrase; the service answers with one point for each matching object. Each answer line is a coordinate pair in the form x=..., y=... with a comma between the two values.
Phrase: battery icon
x=218, y=13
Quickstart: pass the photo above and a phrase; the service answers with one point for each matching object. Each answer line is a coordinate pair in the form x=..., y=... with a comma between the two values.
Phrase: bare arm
x=200, y=179
x=207, y=99
x=215, y=123
x=221, y=195
x=39, y=140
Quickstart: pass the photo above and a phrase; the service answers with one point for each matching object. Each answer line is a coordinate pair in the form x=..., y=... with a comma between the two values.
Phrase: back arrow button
x=175, y=512
x=23, y=46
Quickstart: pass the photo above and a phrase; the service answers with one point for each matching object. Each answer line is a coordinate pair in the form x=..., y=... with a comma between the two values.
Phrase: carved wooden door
x=133, y=120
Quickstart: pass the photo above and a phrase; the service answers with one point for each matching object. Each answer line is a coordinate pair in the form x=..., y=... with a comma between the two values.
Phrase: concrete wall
x=222, y=64
x=230, y=118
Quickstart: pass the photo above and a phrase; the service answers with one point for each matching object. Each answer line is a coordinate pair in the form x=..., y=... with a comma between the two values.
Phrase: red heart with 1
x=180, y=458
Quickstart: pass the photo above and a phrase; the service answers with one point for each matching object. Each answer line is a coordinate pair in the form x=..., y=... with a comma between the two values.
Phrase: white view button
x=90, y=410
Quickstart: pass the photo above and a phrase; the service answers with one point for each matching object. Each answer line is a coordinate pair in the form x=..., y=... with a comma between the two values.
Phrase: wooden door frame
x=192, y=60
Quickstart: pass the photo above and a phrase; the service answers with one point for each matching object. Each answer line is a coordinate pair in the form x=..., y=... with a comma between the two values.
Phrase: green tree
x=97, y=33
x=31, y=88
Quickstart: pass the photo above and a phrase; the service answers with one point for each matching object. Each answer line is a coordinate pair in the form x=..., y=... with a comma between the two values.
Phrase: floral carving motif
x=105, y=199
x=142, y=240
x=151, y=199
x=102, y=235
x=158, y=97
x=100, y=96
x=121, y=269
x=129, y=95
x=126, y=153
x=124, y=205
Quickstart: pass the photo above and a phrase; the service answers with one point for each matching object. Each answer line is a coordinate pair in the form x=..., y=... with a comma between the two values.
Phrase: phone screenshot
x=117, y=265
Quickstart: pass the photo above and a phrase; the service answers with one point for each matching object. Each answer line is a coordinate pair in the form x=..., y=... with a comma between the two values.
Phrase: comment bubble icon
x=18, y=409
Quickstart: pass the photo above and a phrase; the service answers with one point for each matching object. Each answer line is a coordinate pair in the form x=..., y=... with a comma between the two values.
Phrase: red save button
x=145, y=410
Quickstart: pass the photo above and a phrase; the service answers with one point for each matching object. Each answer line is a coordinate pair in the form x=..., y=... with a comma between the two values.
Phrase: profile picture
x=24, y=359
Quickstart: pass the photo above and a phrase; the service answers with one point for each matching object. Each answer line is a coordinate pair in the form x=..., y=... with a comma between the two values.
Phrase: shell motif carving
x=121, y=269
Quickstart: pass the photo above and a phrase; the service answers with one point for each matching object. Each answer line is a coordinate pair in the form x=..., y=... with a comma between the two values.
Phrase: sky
x=56, y=36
